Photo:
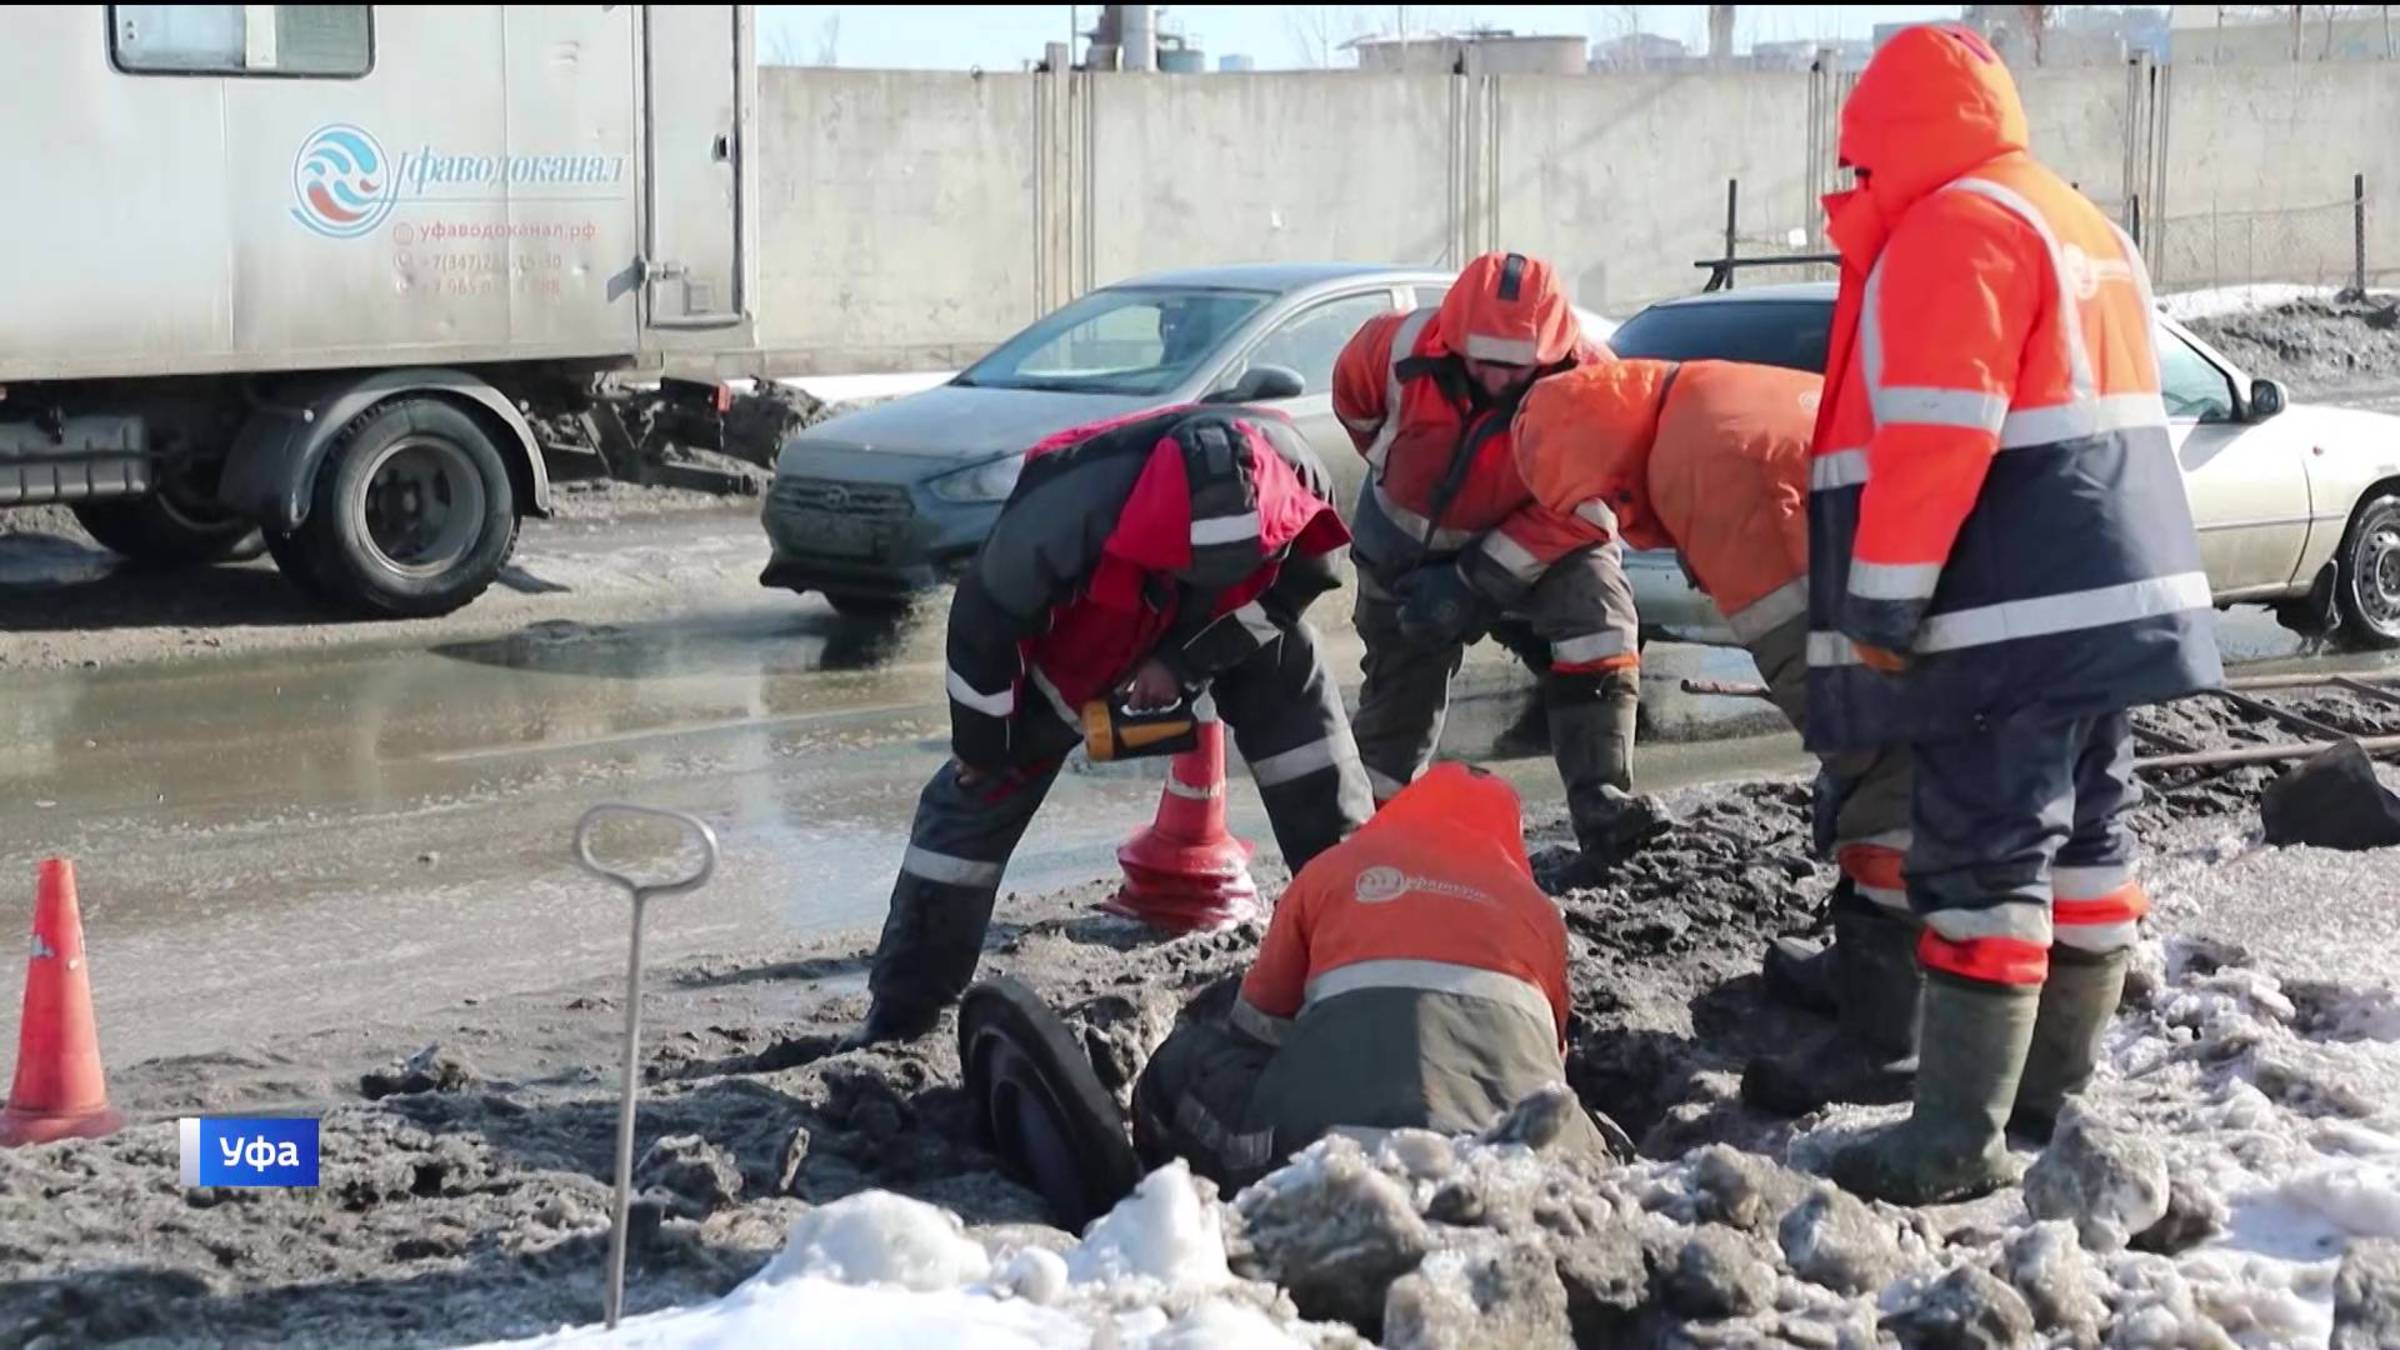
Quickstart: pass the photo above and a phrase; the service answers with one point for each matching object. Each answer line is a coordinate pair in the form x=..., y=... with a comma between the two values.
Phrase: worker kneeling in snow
x=1710, y=458
x=1413, y=976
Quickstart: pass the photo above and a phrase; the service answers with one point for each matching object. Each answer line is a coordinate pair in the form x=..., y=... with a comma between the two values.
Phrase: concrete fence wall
x=913, y=219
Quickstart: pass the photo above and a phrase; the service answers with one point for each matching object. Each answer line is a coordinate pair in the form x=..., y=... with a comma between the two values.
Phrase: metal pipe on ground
x=2370, y=685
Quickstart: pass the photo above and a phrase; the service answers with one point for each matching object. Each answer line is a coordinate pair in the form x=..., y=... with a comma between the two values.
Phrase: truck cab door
x=699, y=98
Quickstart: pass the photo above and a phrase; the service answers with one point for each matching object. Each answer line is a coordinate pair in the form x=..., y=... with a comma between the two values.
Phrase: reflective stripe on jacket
x=1156, y=534
x=1433, y=894
x=1709, y=458
x=1993, y=490
x=1399, y=389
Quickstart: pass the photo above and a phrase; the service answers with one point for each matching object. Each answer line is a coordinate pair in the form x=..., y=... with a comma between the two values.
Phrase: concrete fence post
x=2358, y=235
x=1733, y=209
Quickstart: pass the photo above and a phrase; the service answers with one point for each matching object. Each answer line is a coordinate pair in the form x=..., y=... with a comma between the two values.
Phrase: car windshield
x=1124, y=340
x=1788, y=333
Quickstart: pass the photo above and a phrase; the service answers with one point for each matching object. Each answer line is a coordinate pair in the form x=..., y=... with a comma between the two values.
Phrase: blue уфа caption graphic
x=249, y=1151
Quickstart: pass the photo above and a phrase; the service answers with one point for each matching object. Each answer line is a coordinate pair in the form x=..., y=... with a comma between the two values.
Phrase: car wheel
x=882, y=607
x=412, y=513
x=2368, y=586
x=160, y=531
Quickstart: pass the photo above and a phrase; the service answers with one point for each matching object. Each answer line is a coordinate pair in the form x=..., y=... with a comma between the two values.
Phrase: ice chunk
x=1221, y=1324
x=877, y=1237
x=1166, y=1231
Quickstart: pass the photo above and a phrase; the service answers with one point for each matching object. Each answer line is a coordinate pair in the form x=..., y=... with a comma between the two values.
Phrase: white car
x=2298, y=505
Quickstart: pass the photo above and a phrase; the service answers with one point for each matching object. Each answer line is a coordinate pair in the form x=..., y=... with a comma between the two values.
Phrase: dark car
x=877, y=504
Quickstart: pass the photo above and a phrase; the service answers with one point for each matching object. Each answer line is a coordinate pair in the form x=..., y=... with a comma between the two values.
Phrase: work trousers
x=1286, y=715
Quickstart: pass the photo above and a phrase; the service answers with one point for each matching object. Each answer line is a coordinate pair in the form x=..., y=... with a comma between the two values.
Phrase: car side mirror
x=1261, y=384
x=2267, y=398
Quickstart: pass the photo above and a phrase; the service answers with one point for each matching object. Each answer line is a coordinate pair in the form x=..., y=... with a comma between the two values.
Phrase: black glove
x=1439, y=606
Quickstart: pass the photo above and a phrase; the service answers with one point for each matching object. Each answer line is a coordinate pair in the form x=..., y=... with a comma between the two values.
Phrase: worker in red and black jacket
x=1146, y=559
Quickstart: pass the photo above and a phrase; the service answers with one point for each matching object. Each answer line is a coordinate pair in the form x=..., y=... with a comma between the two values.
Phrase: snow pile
x=881, y=1238
x=878, y=1271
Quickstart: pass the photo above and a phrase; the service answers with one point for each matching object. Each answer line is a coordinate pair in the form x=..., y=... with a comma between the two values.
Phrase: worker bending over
x=1710, y=459
x=1144, y=560
x=1450, y=540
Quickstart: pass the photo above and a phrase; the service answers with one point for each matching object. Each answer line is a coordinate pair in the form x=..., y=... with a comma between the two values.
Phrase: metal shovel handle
x=691, y=826
x=630, y=1091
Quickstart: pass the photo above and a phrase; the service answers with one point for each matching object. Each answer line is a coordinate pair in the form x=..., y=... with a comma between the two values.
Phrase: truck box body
x=494, y=183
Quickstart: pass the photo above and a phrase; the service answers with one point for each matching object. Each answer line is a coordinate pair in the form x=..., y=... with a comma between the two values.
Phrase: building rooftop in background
x=1638, y=51
x=1476, y=52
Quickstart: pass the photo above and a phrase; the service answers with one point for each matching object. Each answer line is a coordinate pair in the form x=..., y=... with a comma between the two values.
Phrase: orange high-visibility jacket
x=1401, y=389
x=1993, y=490
x=1709, y=458
x=1434, y=894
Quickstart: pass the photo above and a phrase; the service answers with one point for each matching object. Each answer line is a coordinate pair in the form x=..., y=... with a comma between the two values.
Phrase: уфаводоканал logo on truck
x=341, y=182
x=344, y=184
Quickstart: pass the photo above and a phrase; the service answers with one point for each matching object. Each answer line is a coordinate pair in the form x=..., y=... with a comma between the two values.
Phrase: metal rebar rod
x=2358, y=686
x=2262, y=754
x=2362, y=684
x=2286, y=716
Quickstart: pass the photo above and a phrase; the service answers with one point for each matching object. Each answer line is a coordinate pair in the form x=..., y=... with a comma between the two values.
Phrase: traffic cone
x=61, y=1092
x=1187, y=872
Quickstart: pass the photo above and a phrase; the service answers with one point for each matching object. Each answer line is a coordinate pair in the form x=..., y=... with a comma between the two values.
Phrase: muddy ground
x=463, y=1196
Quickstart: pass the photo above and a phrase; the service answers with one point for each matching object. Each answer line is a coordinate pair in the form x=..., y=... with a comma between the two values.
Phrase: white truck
x=319, y=271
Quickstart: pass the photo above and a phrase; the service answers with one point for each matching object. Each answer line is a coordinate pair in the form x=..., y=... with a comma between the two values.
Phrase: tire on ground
x=2367, y=582
x=158, y=532
x=412, y=513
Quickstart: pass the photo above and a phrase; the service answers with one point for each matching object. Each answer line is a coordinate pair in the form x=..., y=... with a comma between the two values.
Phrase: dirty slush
x=463, y=1191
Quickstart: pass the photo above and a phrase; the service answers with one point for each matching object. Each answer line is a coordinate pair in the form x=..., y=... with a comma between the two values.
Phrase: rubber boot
x=1953, y=1146
x=2077, y=1003
x=1591, y=735
x=1871, y=1055
x=1799, y=974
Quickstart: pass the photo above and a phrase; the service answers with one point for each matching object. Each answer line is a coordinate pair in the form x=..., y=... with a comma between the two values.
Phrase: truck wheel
x=412, y=513
x=158, y=531
x=2367, y=588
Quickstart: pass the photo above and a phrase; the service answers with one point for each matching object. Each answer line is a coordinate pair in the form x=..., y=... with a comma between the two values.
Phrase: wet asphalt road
x=297, y=840
x=302, y=840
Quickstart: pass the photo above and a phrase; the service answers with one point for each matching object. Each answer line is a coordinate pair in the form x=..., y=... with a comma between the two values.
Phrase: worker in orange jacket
x=2001, y=563
x=1450, y=541
x=1710, y=459
x=1414, y=977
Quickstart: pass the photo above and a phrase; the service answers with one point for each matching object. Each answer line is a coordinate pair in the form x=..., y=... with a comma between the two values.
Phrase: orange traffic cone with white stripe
x=61, y=1091
x=1187, y=872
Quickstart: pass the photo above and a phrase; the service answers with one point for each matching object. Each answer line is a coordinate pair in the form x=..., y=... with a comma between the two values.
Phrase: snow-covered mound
x=878, y=1271
x=2232, y=1181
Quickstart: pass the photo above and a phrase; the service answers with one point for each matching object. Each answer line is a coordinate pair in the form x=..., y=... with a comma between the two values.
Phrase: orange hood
x=1508, y=307
x=1933, y=103
x=1456, y=799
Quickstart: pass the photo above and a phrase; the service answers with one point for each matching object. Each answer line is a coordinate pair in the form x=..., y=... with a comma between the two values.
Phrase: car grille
x=859, y=501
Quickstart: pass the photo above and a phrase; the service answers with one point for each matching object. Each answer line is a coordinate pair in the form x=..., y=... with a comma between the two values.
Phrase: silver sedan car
x=877, y=504
x=2297, y=505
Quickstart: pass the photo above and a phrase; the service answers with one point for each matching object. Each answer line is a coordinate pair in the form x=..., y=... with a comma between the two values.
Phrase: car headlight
x=990, y=482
